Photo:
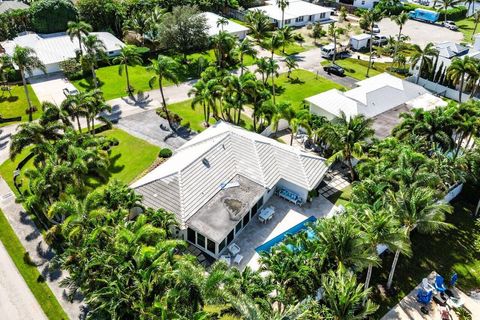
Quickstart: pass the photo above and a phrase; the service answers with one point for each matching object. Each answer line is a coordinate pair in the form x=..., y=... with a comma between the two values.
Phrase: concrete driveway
x=16, y=300
x=49, y=88
x=420, y=33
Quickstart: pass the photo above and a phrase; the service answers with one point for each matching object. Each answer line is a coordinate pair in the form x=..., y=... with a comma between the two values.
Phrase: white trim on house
x=231, y=27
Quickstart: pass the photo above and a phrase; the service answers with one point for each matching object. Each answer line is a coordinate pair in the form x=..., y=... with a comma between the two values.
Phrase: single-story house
x=54, y=48
x=298, y=13
x=382, y=98
x=217, y=182
x=366, y=4
x=7, y=5
x=231, y=27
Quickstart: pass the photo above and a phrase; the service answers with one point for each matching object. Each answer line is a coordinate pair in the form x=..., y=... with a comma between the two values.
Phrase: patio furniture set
x=234, y=253
x=289, y=196
x=266, y=214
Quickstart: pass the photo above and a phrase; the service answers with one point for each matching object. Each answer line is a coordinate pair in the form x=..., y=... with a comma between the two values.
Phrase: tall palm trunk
x=334, y=47
x=392, y=270
x=475, y=27
x=398, y=41
x=283, y=17
x=241, y=64
x=419, y=70
x=350, y=167
x=273, y=89
x=78, y=124
x=27, y=94
x=128, y=79
x=367, y=282
x=371, y=49
x=462, y=80
x=164, y=103
x=94, y=75
x=80, y=44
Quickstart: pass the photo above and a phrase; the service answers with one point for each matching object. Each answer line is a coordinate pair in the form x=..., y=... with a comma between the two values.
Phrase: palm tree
x=343, y=297
x=26, y=60
x=458, y=69
x=129, y=56
x=446, y=4
x=423, y=57
x=417, y=208
x=286, y=36
x=5, y=65
x=371, y=17
x=291, y=64
x=333, y=32
x=224, y=44
x=272, y=69
x=258, y=23
x=245, y=48
x=282, y=5
x=74, y=106
x=203, y=96
x=94, y=104
x=262, y=68
x=273, y=43
x=78, y=30
x=347, y=137
x=165, y=68
x=221, y=22
x=477, y=19
x=95, y=50
x=400, y=21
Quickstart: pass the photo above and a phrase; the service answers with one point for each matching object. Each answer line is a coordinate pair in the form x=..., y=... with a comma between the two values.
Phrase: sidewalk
x=33, y=242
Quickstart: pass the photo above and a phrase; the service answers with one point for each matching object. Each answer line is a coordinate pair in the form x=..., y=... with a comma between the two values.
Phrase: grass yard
x=302, y=84
x=357, y=69
x=15, y=105
x=342, y=197
x=466, y=26
x=40, y=290
x=446, y=252
x=291, y=49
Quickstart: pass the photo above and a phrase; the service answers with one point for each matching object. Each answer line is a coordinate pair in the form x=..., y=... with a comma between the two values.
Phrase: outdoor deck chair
x=424, y=297
x=440, y=284
x=453, y=280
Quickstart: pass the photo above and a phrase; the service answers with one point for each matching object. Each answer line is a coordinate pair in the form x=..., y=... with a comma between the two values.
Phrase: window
x=191, y=235
x=222, y=244
x=238, y=227
x=201, y=240
x=310, y=18
x=323, y=15
x=211, y=246
x=259, y=203
x=230, y=237
x=299, y=19
x=288, y=21
x=246, y=218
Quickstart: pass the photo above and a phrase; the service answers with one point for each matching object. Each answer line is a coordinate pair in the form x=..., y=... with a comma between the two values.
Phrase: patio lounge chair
x=424, y=297
x=440, y=284
x=453, y=280
x=238, y=259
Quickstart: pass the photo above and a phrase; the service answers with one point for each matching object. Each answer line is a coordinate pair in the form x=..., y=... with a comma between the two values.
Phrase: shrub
x=72, y=69
x=101, y=14
x=455, y=14
x=298, y=37
x=165, y=153
x=173, y=116
x=50, y=16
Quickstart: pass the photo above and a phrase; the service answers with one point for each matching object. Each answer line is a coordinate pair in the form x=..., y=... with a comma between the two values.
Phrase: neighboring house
x=217, y=182
x=231, y=27
x=12, y=5
x=381, y=98
x=298, y=13
x=366, y=4
x=54, y=48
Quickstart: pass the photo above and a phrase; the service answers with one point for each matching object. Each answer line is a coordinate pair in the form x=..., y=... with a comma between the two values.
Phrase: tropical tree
x=129, y=56
x=5, y=66
x=165, y=69
x=417, y=208
x=476, y=17
x=78, y=29
x=222, y=22
x=400, y=21
x=423, y=57
x=245, y=47
x=286, y=35
x=273, y=43
x=291, y=64
x=203, y=96
x=282, y=5
x=371, y=17
x=224, y=44
x=272, y=69
x=94, y=50
x=334, y=32
x=458, y=69
x=347, y=138
x=26, y=60
x=258, y=23
x=446, y=4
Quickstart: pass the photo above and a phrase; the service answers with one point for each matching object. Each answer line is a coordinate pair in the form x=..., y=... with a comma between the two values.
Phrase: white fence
x=282, y=125
x=439, y=89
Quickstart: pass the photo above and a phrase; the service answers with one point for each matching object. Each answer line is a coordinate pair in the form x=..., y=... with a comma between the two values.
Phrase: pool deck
x=286, y=216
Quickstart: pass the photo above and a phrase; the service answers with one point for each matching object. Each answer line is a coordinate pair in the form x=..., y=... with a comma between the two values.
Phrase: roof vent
x=206, y=163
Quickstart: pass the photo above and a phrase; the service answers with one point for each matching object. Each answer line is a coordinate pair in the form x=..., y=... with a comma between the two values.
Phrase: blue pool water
x=293, y=230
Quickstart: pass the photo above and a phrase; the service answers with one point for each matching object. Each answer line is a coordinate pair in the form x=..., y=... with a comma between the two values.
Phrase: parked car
x=70, y=90
x=380, y=40
x=376, y=28
x=450, y=25
x=335, y=69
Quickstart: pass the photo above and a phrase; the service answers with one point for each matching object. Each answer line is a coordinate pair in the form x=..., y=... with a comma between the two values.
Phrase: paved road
x=16, y=300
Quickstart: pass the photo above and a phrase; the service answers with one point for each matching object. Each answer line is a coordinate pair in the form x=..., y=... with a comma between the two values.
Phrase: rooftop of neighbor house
x=449, y=49
x=296, y=8
x=228, y=206
x=57, y=47
x=12, y=5
x=214, y=28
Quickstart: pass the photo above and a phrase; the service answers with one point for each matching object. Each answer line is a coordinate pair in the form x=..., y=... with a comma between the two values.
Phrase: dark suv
x=335, y=69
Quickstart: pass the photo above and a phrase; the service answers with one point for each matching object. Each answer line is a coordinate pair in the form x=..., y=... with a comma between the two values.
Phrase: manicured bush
x=48, y=16
x=454, y=14
x=173, y=116
x=165, y=153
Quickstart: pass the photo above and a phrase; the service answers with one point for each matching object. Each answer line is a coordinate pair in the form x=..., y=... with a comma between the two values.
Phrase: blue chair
x=440, y=284
x=453, y=280
x=424, y=297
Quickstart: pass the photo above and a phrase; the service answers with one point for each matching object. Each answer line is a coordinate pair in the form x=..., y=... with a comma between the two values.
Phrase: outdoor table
x=234, y=249
x=266, y=214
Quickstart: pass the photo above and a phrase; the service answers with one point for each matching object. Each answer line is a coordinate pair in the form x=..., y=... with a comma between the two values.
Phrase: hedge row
x=455, y=14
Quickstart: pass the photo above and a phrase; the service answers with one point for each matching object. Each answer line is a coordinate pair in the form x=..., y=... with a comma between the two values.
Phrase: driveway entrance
x=49, y=88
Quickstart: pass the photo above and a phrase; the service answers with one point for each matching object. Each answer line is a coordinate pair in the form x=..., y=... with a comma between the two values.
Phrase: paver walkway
x=16, y=300
x=40, y=253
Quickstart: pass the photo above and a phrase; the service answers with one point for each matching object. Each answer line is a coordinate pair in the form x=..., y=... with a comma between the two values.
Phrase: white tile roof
x=57, y=47
x=296, y=8
x=335, y=101
x=450, y=49
x=232, y=27
x=193, y=175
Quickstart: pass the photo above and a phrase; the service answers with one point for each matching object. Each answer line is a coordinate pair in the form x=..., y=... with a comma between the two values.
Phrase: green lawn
x=446, y=252
x=30, y=274
x=308, y=84
x=15, y=105
x=195, y=117
x=293, y=48
x=466, y=26
x=357, y=69
x=342, y=197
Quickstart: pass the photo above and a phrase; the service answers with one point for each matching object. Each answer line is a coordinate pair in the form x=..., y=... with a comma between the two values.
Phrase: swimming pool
x=293, y=230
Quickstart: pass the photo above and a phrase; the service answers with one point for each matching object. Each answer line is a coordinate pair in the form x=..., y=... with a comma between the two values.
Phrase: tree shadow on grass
x=8, y=98
x=87, y=83
x=114, y=166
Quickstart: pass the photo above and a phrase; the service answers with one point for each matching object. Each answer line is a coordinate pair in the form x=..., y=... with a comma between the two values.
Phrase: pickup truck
x=328, y=50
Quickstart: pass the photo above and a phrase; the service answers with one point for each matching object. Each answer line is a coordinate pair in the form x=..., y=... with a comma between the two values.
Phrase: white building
x=366, y=4
x=231, y=27
x=217, y=182
x=298, y=13
x=54, y=48
x=382, y=98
